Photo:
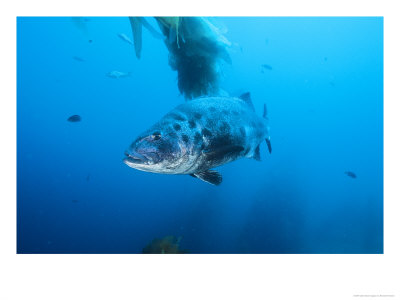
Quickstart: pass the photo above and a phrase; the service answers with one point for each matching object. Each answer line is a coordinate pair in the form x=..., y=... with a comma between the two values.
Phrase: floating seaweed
x=196, y=49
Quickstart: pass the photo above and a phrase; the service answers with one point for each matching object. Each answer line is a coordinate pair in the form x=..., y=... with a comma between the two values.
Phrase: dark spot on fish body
x=212, y=109
x=192, y=124
x=172, y=133
x=177, y=117
x=225, y=112
x=197, y=138
x=224, y=127
x=242, y=131
x=163, y=147
x=177, y=127
x=185, y=138
x=197, y=115
x=210, y=123
x=206, y=133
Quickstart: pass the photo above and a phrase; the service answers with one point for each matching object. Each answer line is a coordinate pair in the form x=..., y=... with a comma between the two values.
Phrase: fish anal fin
x=256, y=154
x=246, y=98
x=209, y=176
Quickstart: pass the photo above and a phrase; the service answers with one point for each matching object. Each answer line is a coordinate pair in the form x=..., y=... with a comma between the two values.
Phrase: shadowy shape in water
x=74, y=118
x=266, y=67
x=350, y=174
x=167, y=245
x=125, y=38
x=118, y=74
x=77, y=58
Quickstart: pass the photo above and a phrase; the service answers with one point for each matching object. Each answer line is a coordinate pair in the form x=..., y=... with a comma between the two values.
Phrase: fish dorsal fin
x=246, y=98
x=209, y=176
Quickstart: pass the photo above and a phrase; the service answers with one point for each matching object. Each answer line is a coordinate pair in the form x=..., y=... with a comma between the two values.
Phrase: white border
x=197, y=276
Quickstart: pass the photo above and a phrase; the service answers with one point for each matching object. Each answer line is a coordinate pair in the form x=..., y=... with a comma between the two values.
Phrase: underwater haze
x=83, y=96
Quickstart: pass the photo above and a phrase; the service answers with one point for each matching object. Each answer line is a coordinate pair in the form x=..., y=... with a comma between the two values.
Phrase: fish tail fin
x=268, y=138
x=265, y=113
x=268, y=141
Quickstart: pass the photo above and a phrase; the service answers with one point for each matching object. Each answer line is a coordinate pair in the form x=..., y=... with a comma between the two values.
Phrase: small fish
x=74, y=118
x=75, y=201
x=199, y=135
x=77, y=58
x=118, y=74
x=88, y=177
x=90, y=41
x=125, y=38
x=266, y=67
x=350, y=174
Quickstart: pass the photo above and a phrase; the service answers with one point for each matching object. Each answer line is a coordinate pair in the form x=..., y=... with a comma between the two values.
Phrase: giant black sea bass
x=199, y=135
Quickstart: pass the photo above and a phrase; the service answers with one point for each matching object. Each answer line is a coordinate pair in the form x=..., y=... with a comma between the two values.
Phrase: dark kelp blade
x=136, y=26
x=74, y=118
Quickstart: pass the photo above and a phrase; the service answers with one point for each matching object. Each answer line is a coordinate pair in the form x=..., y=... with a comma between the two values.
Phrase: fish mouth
x=134, y=158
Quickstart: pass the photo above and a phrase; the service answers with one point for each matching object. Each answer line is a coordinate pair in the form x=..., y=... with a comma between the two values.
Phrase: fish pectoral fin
x=210, y=176
x=221, y=153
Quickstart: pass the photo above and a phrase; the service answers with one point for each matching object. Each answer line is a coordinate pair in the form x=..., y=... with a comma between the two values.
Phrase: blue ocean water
x=323, y=84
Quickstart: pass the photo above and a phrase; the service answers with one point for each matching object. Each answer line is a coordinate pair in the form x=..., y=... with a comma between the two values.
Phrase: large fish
x=199, y=135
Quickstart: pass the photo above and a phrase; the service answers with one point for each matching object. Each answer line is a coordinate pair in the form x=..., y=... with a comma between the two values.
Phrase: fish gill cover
x=171, y=92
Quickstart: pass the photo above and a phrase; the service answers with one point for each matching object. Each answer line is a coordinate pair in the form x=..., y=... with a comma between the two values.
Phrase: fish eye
x=156, y=136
